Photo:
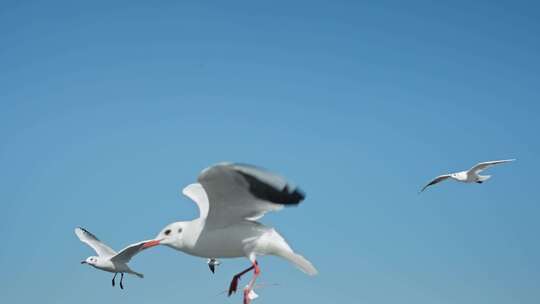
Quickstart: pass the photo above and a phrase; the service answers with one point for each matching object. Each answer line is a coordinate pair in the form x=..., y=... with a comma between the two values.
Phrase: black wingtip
x=294, y=197
x=268, y=192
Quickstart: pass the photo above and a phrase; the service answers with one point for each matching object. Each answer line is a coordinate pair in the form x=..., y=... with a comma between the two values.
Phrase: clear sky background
x=108, y=109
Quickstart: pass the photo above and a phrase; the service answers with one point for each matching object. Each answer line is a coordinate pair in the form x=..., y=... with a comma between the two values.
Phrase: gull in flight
x=469, y=176
x=108, y=259
x=231, y=197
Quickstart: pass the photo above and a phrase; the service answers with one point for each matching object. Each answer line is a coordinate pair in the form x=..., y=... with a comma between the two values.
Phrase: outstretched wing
x=91, y=240
x=483, y=166
x=125, y=255
x=231, y=193
x=197, y=194
x=436, y=180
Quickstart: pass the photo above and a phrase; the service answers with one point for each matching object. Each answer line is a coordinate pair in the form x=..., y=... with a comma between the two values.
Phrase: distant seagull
x=469, y=176
x=231, y=197
x=108, y=259
x=212, y=263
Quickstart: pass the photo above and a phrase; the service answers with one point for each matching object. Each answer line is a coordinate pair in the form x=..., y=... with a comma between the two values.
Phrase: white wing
x=125, y=255
x=91, y=240
x=234, y=192
x=436, y=180
x=483, y=166
x=197, y=194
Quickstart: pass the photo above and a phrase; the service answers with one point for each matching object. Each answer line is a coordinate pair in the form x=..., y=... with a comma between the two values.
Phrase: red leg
x=234, y=283
x=251, y=284
x=246, y=296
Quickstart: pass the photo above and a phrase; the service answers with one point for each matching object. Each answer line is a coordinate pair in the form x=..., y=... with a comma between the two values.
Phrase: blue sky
x=108, y=109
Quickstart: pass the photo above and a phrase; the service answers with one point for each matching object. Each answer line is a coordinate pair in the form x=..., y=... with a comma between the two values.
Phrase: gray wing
x=91, y=240
x=436, y=180
x=483, y=166
x=237, y=192
x=125, y=255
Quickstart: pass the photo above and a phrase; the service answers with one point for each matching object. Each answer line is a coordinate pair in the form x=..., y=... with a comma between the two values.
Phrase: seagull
x=231, y=198
x=469, y=176
x=108, y=259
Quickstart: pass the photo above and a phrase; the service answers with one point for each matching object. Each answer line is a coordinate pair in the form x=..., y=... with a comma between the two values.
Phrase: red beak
x=150, y=244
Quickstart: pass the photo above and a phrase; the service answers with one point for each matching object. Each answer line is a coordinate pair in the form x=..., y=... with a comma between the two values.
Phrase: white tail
x=140, y=275
x=300, y=262
x=273, y=243
x=483, y=178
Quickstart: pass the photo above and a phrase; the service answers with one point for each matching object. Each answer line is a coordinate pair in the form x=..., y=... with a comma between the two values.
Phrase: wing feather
x=91, y=240
x=197, y=194
x=239, y=192
x=126, y=254
x=436, y=180
x=484, y=165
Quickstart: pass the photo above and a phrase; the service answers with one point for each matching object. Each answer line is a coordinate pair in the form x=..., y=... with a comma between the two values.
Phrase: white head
x=172, y=235
x=92, y=260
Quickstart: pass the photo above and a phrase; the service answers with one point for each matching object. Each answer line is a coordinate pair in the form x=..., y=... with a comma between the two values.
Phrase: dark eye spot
x=179, y=230
x=168, y=231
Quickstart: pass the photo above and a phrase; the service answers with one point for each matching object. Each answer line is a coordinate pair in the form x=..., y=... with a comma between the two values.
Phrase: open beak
x=151, y=244
x=83, y=262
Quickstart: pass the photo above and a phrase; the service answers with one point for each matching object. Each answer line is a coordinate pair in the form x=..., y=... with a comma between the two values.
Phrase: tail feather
x=140, y=275
x=301, y=262
x=273, y=243
x=483, y=178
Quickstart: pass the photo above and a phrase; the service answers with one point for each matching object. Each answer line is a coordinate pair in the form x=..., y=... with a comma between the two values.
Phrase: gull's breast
x=230, y=242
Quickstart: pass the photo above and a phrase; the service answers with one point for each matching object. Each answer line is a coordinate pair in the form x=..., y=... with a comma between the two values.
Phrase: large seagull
x=231, y=198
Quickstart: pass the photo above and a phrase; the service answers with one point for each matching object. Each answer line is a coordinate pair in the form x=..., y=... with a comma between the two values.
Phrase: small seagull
x=469, y=176
x=108, y=259
x=212, y=263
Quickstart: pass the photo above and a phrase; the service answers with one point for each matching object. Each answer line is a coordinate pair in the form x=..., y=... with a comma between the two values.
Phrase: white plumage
x=468, y=176
x=231, y=197
x=107, y=259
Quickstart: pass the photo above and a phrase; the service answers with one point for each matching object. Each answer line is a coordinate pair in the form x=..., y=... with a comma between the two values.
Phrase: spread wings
x=125, y=255
x=228, y=193
x=436, y=180
x=91, y=240
x=483, y=166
